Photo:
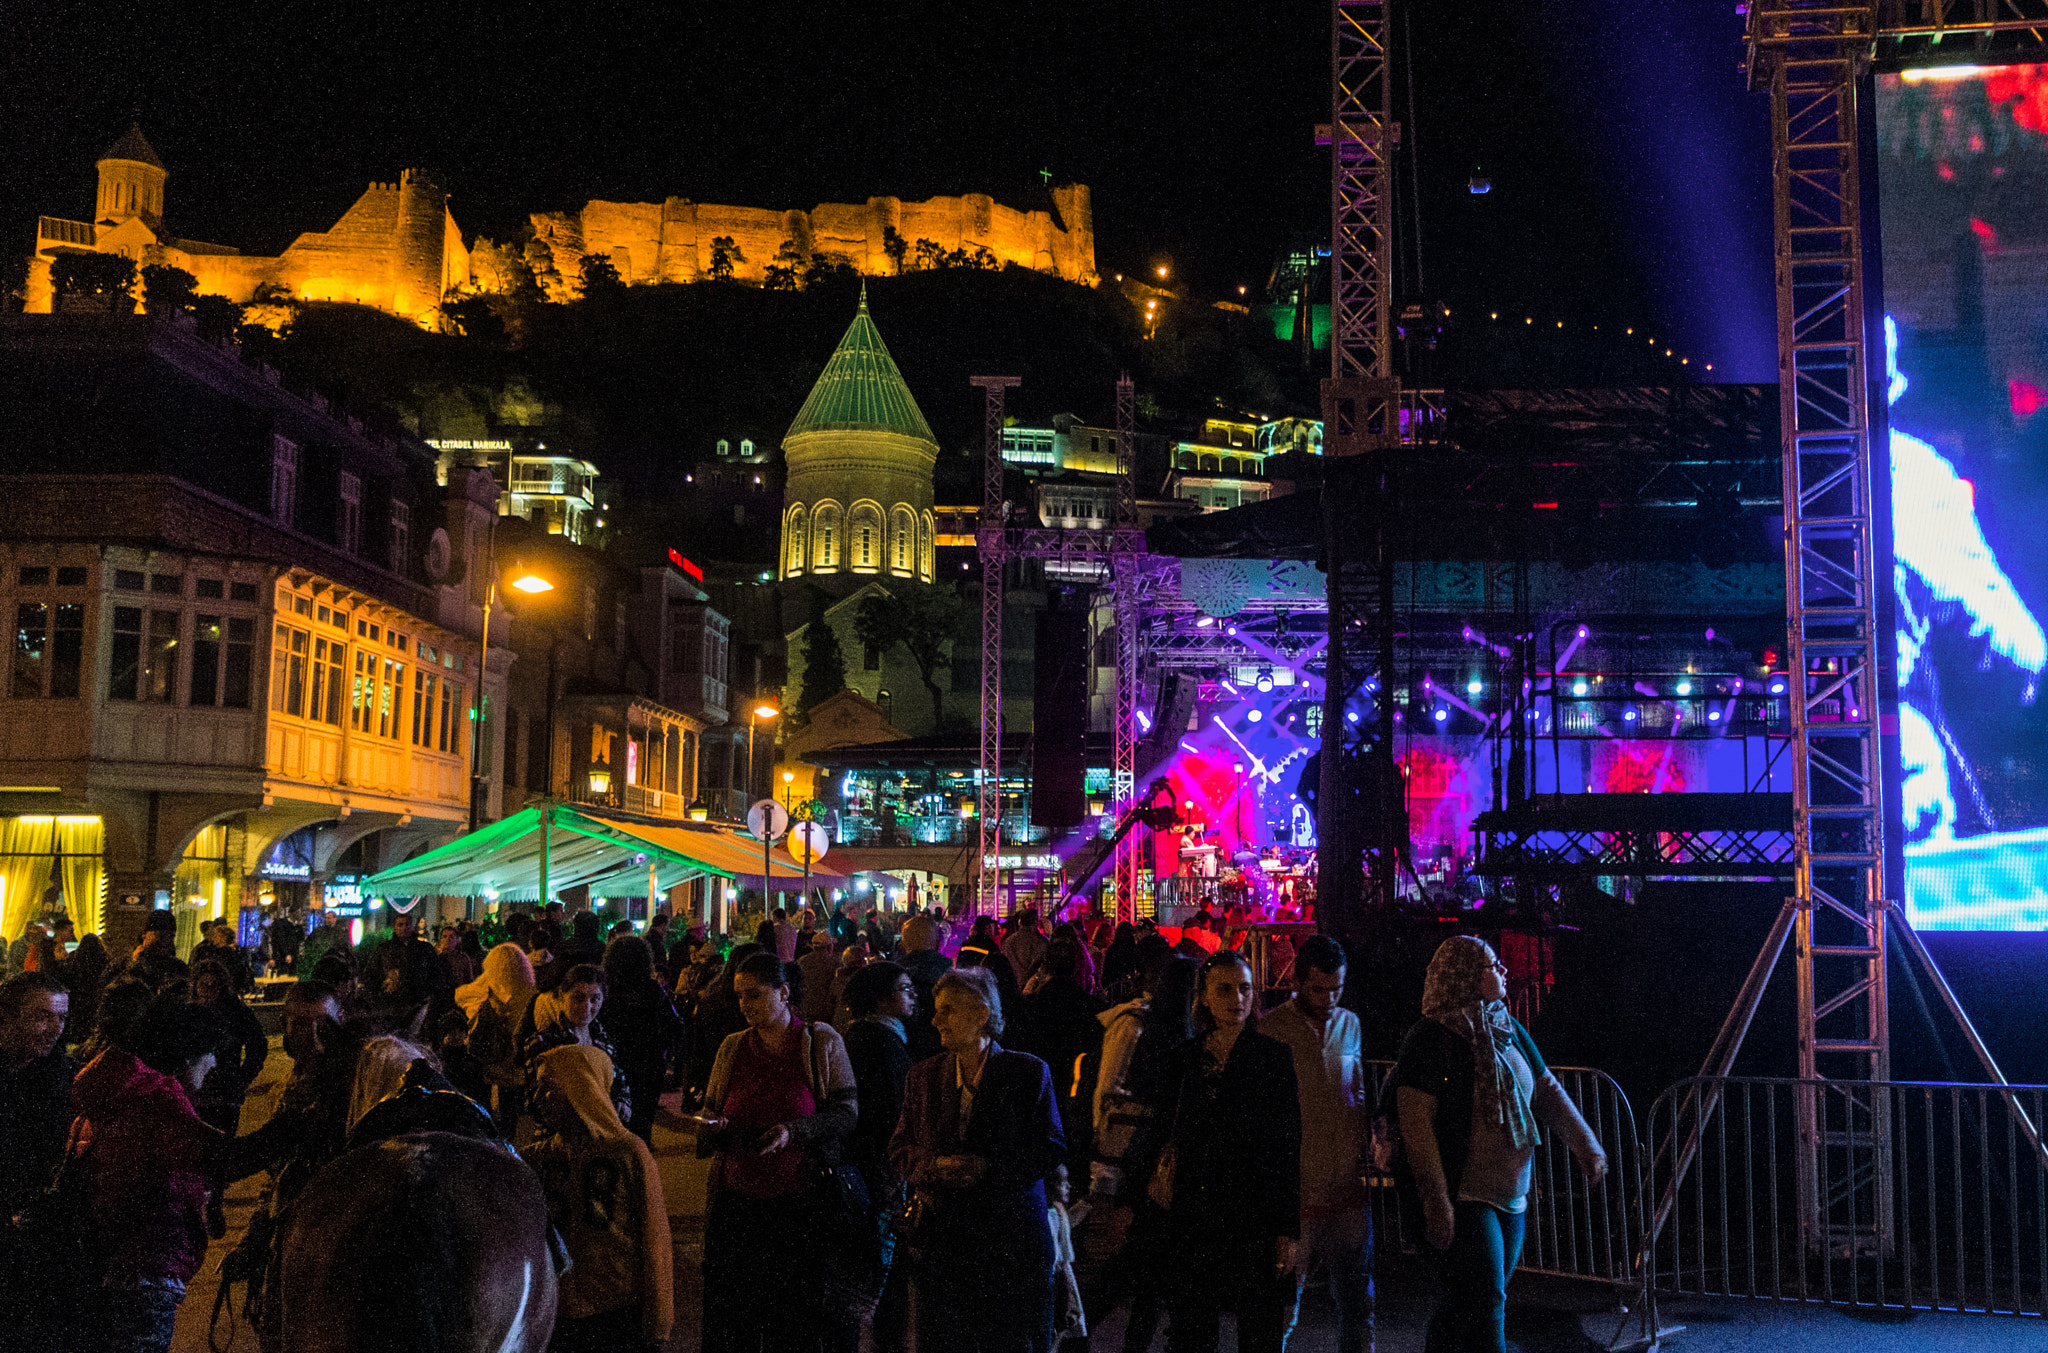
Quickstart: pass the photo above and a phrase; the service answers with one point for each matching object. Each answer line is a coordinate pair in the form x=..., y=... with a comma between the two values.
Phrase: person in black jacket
x=1223, y=1160
x=1056, y=1023
x=641, y=1022
x=978, y=1135
x=35, y=1085
x=243, y=1050
x=882, y=1000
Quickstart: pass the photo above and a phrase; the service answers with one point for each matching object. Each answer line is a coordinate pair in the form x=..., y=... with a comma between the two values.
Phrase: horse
x=424, y=1242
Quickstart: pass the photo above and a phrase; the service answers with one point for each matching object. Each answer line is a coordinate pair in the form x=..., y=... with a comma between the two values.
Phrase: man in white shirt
x=1026, y=946
x=1336, y=1117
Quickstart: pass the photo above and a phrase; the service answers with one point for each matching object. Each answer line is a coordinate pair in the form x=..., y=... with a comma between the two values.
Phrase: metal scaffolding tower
x=1361, y=427
x=1812, y=57
x=1126, y=560
x=991, y=537
x=1115, y=553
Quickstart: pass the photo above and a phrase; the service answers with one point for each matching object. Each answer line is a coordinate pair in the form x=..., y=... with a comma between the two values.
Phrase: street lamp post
x=754, y=718
x=525, y=582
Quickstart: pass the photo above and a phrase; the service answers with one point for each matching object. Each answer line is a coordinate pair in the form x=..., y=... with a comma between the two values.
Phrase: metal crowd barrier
x=1573, y=1229
x=1914, y=1196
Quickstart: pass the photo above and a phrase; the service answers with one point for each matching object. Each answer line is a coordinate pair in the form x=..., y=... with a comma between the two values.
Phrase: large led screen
x=1963, y=202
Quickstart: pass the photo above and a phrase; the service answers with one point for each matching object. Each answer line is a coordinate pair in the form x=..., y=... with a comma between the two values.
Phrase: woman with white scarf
x=1471, y=1089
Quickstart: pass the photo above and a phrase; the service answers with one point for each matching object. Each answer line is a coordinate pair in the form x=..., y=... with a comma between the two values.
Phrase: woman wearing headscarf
x=604, y=1197
x=496, y=1004
x=1471, y=1088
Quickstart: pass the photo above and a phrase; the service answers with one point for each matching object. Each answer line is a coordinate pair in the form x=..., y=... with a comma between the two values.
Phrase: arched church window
x=925, y=567
x=825, y=523
x=864, y=534
x=793, y=543
x=902, y=540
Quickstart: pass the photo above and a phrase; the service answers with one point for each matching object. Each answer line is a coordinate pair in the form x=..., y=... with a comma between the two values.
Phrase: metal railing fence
x=1927, y=1196
x=1573, y=1229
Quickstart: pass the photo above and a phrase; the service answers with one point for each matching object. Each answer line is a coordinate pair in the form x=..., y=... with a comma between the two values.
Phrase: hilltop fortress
x=399, y=250
x=671, y=241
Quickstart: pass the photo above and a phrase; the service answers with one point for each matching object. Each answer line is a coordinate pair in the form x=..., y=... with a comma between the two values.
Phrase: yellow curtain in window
x=82, y=843
x=192, y=887
x=24, y=871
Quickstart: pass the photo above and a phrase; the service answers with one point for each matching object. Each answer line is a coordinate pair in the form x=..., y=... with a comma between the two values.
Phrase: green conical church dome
x=860, y=389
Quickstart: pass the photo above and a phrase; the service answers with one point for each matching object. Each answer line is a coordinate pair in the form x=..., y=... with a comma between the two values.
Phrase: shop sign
x=1048, y=862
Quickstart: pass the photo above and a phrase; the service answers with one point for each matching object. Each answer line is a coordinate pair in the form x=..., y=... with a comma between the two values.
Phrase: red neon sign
x=676, y=557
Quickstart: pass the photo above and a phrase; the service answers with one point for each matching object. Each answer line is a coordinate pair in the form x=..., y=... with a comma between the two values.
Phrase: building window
x=426, y=686
x=223, y=649
x=376, y=699
x=747, y=446
x=871, y=658
x=401, y=535
x=31, y=648
x=284, y=480
x=351, y=513
x=289, y=652
x=160, y=658
x=724, y=447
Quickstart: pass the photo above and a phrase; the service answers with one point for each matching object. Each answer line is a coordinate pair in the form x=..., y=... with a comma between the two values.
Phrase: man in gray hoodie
x=1336, y=1123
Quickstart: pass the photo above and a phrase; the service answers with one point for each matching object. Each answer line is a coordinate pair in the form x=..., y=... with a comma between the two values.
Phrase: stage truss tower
x=1114, y=554
x=1811, y=57
x=990, y=538
x=1362, y=426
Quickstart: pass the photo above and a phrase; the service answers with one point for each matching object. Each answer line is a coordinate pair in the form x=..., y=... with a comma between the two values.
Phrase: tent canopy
x=609, y=855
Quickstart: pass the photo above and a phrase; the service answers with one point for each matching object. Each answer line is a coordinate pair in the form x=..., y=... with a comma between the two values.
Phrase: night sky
x=1629, y=164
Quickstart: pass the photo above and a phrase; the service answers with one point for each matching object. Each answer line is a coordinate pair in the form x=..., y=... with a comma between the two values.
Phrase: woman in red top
x=780, y=1102
x=151, y=1162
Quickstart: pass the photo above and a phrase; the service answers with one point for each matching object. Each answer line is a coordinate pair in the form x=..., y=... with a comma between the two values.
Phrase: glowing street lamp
x=532, y=584
x=755, y=717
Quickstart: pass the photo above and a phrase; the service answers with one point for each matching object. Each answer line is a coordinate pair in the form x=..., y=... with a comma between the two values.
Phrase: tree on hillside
x=789, y=266
x=600, y=274
x=824, y=265
x=97, y=280
x=218, y=317
x=930, y=255
x=921, y=617
x=165, y=289
x=824, y=661
x=895, y=246
x=724, y=253
x=475, y=317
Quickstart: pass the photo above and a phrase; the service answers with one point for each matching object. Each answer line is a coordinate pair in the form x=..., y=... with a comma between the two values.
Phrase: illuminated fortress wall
x=671, y=241
x=397, y=249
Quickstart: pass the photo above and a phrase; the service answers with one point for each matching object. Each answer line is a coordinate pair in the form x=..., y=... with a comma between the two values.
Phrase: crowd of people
x=932, y=1140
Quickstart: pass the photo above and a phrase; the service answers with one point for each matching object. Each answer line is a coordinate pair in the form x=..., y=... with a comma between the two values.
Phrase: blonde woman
x=496, y=1004
x=605, y=1198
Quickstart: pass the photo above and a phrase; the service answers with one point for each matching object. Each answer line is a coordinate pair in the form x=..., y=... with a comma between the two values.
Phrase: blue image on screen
x=1963, y=194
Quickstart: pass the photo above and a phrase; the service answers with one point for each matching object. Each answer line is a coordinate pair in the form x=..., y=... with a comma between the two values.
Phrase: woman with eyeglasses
x=1471, y=1089
x=1221, y=1160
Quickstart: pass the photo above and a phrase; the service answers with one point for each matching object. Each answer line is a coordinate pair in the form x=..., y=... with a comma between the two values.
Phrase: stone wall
x=671, y=241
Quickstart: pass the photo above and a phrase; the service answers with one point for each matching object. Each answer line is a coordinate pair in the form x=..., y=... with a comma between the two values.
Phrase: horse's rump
x=425, y=1243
